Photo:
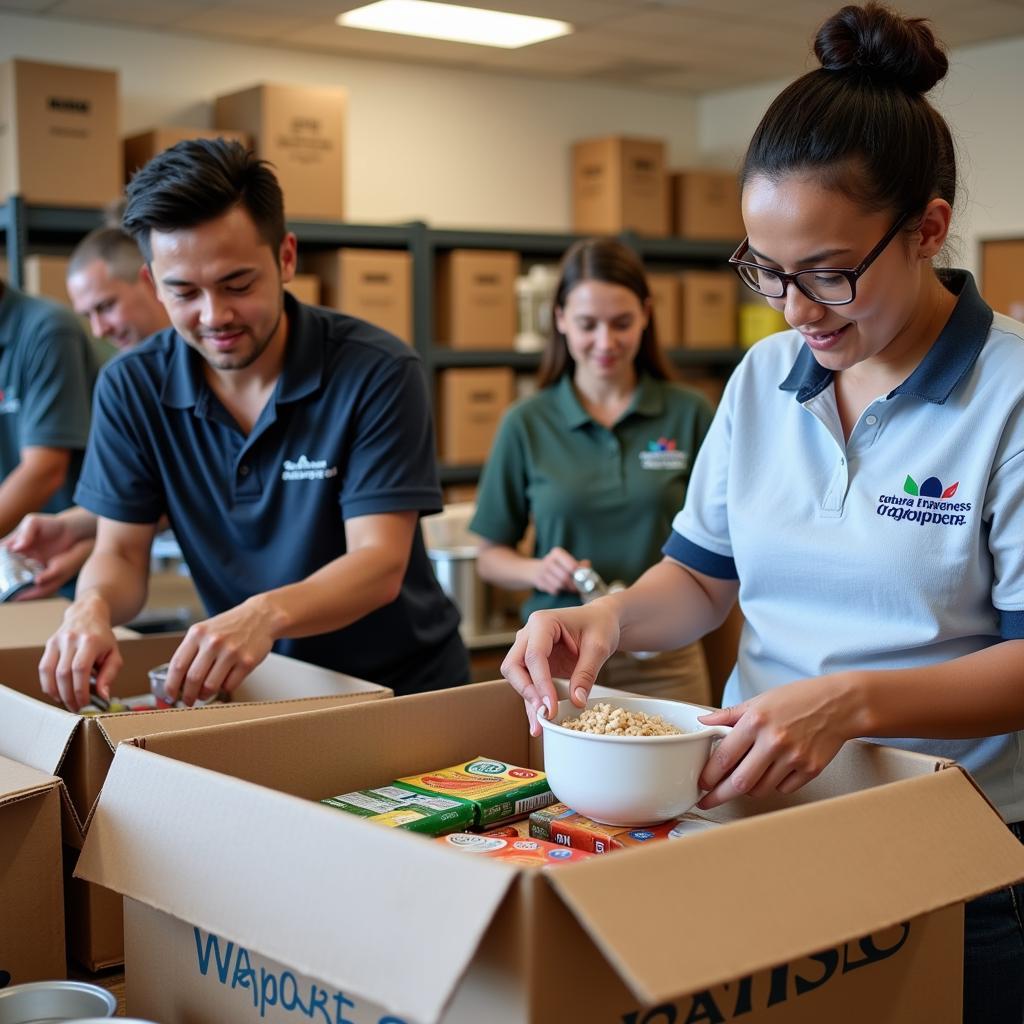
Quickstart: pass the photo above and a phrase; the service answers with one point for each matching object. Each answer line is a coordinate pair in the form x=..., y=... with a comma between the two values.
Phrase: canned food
x=48, y=1002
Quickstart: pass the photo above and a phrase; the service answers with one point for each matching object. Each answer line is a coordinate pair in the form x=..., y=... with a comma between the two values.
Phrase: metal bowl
x=49, y=1002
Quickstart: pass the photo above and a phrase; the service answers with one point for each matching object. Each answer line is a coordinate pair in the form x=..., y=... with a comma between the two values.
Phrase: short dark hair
x=608, y=260
x=197, y=181
x=861, y=122
x=113, y=247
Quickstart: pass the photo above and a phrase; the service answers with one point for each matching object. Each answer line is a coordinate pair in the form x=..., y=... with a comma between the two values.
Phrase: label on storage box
x=500, y=791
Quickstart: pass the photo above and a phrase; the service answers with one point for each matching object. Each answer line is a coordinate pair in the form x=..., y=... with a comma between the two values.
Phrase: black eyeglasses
x=831, y=286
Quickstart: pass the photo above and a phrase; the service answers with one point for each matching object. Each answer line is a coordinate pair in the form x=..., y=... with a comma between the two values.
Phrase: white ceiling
x=668, y=45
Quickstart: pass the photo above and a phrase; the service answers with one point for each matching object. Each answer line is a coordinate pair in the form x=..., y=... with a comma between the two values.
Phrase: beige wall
x=454, y=148
x=981, y=98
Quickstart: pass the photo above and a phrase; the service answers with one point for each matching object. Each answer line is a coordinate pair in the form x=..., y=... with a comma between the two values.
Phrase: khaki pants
x=672, y=675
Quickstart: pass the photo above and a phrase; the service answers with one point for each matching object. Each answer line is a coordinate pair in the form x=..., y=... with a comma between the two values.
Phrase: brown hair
x=608, y=260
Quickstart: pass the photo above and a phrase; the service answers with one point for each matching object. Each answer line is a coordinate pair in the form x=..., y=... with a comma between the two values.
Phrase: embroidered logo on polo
x=663, y=454
x=925, y=504
x=10, y=403
x=308, y=469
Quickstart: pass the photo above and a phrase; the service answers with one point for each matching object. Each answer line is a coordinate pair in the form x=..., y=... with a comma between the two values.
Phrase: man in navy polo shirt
x=290, y=447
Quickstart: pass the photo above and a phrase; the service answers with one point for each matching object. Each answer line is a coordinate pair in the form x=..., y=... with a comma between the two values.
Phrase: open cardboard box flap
x=43, y=733
x=19, y=782
x=899, y=851
x=158, y=817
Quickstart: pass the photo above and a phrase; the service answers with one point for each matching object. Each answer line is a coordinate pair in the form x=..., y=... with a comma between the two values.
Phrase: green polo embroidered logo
x=9, y=402
x=664, y=454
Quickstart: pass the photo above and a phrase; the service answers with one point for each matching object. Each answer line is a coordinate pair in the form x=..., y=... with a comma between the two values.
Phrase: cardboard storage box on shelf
x=842, y=904
x=470, y=405
x=665, y=302
x=80, y=749
x=306, y=288
x=54, y=117
x=301, y=131
x=371, y=284
x=140, y=148
x=620, y=184
x=706, y=205
x=31, y=891
x=709, y=308
x=46, y=275
x=475, y=298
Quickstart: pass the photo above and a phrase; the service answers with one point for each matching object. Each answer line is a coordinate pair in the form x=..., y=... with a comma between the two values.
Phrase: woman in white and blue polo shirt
x=862, y=485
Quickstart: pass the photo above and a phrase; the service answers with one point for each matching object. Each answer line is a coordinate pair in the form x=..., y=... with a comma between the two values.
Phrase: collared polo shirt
x=47, y=372
x=900, y=547
x=346, y=433
x=604, y=494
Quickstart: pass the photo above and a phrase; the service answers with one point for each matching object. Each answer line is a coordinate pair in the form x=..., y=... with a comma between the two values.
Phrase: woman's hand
x=552, y=574
x=573, y=642
x=781, y=739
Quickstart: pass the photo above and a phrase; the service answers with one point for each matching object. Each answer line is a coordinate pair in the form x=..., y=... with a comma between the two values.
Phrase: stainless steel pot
x=49, y=1002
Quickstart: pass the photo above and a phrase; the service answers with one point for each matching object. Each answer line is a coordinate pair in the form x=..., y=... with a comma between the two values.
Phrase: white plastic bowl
x=629, y=780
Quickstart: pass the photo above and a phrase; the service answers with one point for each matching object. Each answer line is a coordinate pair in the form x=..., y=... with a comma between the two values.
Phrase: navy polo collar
x=944, y=366
x=301, y=375
x=647, y=401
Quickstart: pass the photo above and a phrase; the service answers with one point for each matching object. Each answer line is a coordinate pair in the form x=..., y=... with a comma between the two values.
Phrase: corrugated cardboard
x=139, y=149
x=709, y=302
x=476, y=298
x=27, y=623
x=371, y=284
x=46, y=276
x=80, y=750
x=31, y=894
x=620, y=184
x=55, y=119
x=301, y=131
x=469, y=409
x=306, y=288
x=853, y=885
x=706, y=205
x=665, y=302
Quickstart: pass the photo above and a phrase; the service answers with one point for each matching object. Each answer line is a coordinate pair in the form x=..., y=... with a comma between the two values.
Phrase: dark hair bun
x=876, y=44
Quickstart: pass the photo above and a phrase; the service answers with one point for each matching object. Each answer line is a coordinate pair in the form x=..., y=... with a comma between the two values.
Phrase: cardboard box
x=666, y=299
x=80, y=749
x=620, y=184
x=46, y=276
x=709, y=301
x=706, y=205
x=469, y=409
x=31, y=891
x=301, y=131
x=29, y=623
x=371, y=284
x=306, y=288
x=59, y=134
x=839, y=903
x=476, y=298
x=141, y=148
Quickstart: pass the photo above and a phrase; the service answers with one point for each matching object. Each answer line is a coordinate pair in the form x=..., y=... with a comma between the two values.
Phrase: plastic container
x=47, y=1002
x=629, y=780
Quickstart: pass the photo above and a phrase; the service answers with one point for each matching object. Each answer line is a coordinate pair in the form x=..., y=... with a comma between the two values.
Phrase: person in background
x=47, y=372
x=107, y=285
x=291, y=449
x=598, y=460
x=861, y=487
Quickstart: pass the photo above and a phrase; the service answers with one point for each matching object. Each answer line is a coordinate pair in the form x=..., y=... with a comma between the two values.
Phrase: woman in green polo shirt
x=598, y=460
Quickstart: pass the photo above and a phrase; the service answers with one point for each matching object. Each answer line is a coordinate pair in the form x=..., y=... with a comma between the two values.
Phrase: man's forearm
x=340, y=593
x=25, y=489
x=116, y=582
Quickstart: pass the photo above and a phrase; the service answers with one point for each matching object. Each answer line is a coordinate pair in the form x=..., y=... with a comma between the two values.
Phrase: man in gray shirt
x=47, y=371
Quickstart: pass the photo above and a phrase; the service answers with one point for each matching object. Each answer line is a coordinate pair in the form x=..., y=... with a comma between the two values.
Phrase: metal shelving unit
x=22, y=223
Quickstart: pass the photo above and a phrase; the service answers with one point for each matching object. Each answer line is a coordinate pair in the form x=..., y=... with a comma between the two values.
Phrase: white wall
x=454, y=148
x=981, y=98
